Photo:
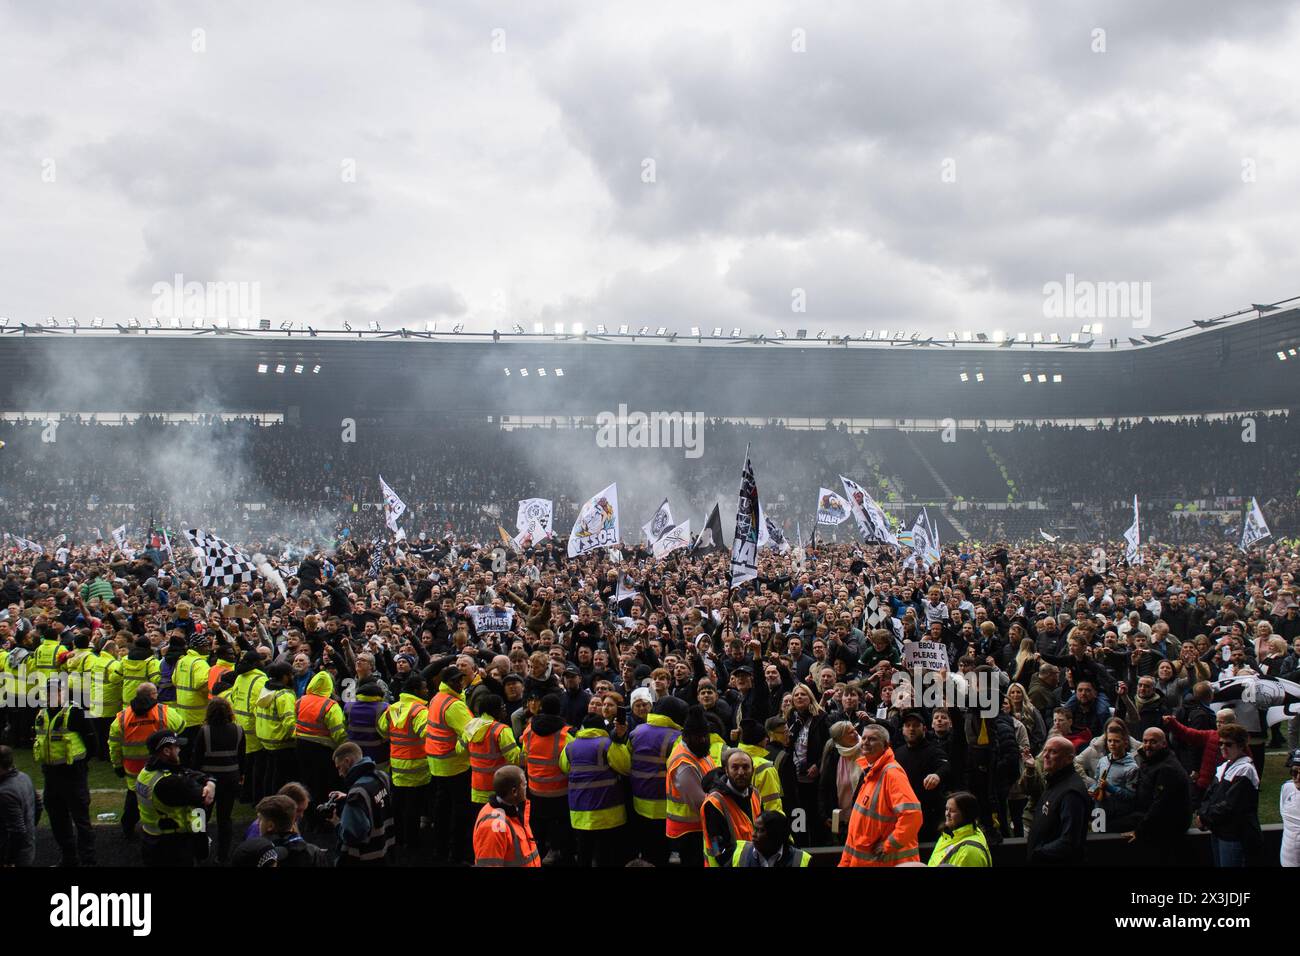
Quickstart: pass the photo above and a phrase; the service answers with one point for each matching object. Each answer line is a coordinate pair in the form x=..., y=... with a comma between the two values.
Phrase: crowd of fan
x=794, y=668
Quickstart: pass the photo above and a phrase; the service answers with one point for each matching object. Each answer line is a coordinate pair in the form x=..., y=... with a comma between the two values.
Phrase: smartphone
x=623, y=712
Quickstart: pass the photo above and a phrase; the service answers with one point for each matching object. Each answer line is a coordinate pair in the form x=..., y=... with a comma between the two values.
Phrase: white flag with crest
x=597, y=524
x=658, y=526
x=678, y=536
x=1255, y=527
x=394, y=507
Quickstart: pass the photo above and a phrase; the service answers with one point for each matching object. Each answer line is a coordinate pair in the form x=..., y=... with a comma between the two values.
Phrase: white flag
x=744, y=546
x=1045, y=536
x=119, y=538
x=534, y=519
x=1255, y=527
x=597, y=524
x=1133, y=552
x=626, y=588
x=394, y=507
x=924, y=541
x=678, y=536
x=658, y=526
x=831, y=508
x=871, y=520
x=24, y=544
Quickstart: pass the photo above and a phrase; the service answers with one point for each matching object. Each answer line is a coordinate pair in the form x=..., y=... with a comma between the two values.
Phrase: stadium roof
x=1221, y=365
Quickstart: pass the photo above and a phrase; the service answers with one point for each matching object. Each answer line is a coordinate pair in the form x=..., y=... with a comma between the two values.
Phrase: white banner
x=394, y=507
x=831, y=508
x=658, y=526
x=597, y=524
x=870, y=519
x=488, y=620
x=744, y=546
x=1255, y=527
x=534, y=520
x=678, y=536
x=930, y=655
x=1133, y=552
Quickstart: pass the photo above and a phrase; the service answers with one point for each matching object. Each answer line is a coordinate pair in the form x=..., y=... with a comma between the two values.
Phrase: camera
x=330, y=807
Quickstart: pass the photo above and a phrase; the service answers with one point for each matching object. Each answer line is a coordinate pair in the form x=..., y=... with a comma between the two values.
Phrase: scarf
x=847, y=777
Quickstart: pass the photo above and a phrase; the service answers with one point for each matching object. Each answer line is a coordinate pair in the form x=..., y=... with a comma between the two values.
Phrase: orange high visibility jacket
x=313, y=724
x=214, y=675
x=682, y=818
x=503, y=840
x=542, y=762
x=886, y=817
x=741, y=826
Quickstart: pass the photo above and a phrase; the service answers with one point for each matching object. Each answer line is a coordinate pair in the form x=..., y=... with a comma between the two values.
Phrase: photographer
x=364, y=813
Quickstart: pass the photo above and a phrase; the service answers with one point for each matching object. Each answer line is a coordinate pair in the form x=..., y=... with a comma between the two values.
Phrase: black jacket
x=1163, y=806
x=919, y=762
x=1230, y=810
x=1060, y=826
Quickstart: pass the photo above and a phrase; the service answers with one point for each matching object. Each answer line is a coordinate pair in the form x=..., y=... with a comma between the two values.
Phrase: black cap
x=912, y=713
x=571, y=670
x=160, y=739
x=743, y=669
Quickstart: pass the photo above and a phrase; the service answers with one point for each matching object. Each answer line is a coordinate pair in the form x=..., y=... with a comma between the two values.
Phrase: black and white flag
x=870, y=519
x=658, y=526
x=744, y=546
x=678, y=536
x=223, y=564
x=377, y=560
x=874, y=613
x=1133, y=538
x=1255, y=527
x=394, y=508
x=710, y=538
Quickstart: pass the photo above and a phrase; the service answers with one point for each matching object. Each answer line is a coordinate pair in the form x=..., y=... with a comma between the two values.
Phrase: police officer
x=364, y=813
x=173, y=803
x=65, y=741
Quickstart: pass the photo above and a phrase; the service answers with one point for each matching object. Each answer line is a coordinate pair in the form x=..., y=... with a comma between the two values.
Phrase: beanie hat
x=674, y=708
x=695, y=722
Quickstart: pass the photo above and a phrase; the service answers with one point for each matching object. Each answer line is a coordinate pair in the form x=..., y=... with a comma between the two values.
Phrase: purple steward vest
x=650, y=749
x=363, y=717
x=593, y=784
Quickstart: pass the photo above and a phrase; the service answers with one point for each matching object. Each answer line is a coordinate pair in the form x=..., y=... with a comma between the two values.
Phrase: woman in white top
x=1290, y=810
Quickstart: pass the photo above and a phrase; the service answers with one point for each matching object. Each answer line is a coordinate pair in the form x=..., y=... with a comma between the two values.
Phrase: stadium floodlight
x=4, y=321
x=372, y=325
x=71, y=321
x=134, y=323
x=801, y=333
x=507, y=371
x=261, y=369
x=297, y=370
x=542, y=372
x=695, y=331
x=559, y=373
x=455, y=329
x=622, y=330
x=1038, y=336
x=821, y=333
x=644, y=330
x=672, y=336
x=347, y=326
x=966, y=336
x=1041, y=378
x=735, y=333
x=1057, y=378
x=155, y=324
x=965, y=377
x=96, y=323
x=316, y=370
x=430, y=326
x=519, y=329
x=979, y=376
x=600, y=330
x=1054, y=338
x=559, y=328
x=539, y=328
x=717, y=331
x=1291, y=352
x=279, y=370
x=662, y=330
x=916, y=337
x=982, y=336
x=1281, y=356
x=1026, y=378
x=579, y=329
x=286, y=325
x=198, y=322
x=999, y=335
x=1074, y=336
x=780, y=333
x=952, y=336
x=1022, y=336
x=867, y=335
x=523, y=372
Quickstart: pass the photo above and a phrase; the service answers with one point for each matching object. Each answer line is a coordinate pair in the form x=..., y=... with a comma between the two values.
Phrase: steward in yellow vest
x=65, y=740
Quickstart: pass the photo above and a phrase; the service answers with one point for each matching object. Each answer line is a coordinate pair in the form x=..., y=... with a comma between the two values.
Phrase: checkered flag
x=223, y=564
x=874, y=615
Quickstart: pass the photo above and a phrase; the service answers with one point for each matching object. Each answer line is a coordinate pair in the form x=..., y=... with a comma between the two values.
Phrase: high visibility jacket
x=243, y=700
x=403, y=725
x=137, y=671
x=594, y=764
x=491, y=745
x=56, y=745
x=965, y=846
x=158, y=818
x=444, y=735
x=46, y=659
x=745, y=856
x=542, y=762
x=274, y=716
x=214, y=675
x=503, y=840
x=101, y=683
x=681, y=817
x=128, y=737
x=740, y=825
x=191, y=681
x=650, y=744
x=320, y=718
x=766, y=781
x=8, y=690
x=886, y=816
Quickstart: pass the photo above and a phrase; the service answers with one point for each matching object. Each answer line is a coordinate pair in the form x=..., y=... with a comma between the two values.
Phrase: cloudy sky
x=913, y=165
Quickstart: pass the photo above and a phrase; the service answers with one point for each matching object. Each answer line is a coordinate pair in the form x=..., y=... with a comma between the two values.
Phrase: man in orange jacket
x=501, y=834
x=886, y=814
